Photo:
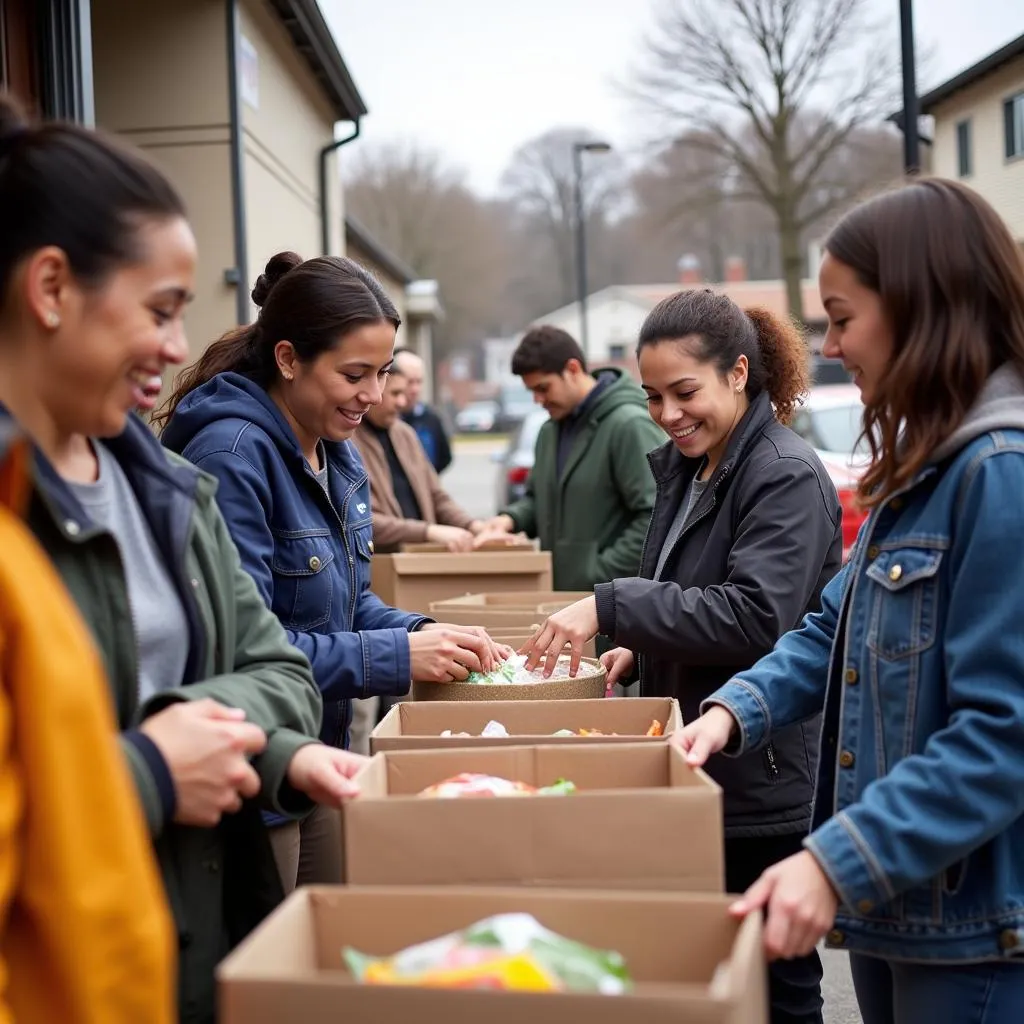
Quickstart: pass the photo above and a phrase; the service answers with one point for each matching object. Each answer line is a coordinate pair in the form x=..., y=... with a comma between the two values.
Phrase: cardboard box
x=413, y=581
x=643, y=819
x=690, y=962
x=513, y=610
x=519, y=637
x=409, y=726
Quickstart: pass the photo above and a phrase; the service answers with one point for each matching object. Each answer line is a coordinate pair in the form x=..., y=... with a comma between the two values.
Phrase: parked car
x=477, y=418
x=516, y=403
x=516, y=461
x=831, y=421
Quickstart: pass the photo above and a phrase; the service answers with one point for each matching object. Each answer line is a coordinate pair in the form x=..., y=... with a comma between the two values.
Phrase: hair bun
x=277, y=266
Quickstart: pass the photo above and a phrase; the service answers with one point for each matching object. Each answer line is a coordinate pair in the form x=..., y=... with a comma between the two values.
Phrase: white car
x=477, y=418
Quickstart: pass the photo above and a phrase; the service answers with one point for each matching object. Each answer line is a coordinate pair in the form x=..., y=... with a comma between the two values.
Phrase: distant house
x=418, y=302
x=979, y=130
x=615, y=314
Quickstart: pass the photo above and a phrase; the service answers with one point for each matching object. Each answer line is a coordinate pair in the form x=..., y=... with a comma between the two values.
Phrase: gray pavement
x=471, y=481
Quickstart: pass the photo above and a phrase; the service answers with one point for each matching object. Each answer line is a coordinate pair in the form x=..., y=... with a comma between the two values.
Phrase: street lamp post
x=578, y=149
x=911, y=142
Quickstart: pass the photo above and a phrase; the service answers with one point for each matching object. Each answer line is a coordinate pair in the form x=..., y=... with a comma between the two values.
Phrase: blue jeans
x=889, y=992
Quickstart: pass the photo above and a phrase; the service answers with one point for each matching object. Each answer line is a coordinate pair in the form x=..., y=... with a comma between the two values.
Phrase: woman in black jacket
x=746, y=532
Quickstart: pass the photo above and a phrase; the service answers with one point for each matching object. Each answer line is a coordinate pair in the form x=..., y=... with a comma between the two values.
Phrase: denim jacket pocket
x=303, y=581
x=904, y=602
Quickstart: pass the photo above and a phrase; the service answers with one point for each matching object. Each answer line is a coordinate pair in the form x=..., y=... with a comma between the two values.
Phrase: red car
x=831, y=421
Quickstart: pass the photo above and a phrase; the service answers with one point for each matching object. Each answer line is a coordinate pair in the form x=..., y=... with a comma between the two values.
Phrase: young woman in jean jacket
x=914, y=860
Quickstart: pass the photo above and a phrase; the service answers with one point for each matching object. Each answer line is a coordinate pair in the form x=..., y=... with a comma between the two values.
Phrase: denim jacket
x=920, y=790
x=307, y=549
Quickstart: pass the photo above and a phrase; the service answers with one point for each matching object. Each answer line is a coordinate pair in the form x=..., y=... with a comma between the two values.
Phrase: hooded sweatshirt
x=307, y=547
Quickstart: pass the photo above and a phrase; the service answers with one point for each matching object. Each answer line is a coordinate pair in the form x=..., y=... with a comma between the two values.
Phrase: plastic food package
x=492, y=728
x=514, y=671
x=508, y=951
x=471, y=784
x=654, y=729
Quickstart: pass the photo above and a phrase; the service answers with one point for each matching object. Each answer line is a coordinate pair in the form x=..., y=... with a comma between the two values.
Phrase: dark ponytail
x=77, y=189
x=312, y=304
x=776, y=352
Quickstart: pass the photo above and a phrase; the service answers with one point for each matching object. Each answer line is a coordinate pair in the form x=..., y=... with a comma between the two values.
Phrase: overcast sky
x=475, y=78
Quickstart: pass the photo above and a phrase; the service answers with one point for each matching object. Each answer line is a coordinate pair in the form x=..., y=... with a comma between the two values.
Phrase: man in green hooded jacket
x=590, y=494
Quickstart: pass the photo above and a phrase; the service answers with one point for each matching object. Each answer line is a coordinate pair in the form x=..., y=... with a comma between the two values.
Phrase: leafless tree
x=778, y=90
x=539, y=184
x=421, y=210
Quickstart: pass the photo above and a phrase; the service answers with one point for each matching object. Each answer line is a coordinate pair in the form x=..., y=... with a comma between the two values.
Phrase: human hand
x=572, y=627
x=618, y=663
x=706, y=736
x=801, y=905
x=454, y=538
x=447, y=654
x=206, y=746
x=323, y=773
x=495, y=654
x=495, y=537
x=498, y=524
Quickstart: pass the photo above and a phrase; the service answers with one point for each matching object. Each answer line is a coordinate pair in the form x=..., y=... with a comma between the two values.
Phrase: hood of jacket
x=1000, y=406
x=619, y=391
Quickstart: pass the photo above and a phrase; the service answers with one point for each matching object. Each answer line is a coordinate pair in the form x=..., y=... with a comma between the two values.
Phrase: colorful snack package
x=507, y=951
x=473, y=784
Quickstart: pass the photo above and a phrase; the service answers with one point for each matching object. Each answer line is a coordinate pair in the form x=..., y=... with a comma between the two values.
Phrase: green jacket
x=219, y=881
x=593, y=519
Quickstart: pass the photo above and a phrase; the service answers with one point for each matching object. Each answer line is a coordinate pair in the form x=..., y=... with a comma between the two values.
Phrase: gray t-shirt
x=686, y=506
x=161, y=628
x=322, y=474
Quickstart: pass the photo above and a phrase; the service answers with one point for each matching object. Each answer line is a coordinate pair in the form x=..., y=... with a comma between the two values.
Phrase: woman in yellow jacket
x=85, y=936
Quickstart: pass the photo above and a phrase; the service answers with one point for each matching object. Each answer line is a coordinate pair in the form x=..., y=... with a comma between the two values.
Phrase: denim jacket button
x=865, y=906
x=314, y=563
x=851, y=676
x=835, y=937
x=1008, y=939
x=370, y=546
x=895, y=573
x=846, y=759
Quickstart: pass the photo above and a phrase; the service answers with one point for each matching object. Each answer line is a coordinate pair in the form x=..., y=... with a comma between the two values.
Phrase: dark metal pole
x=911, y=142
x=237, y=155
x=325, y=224
x=581, y=247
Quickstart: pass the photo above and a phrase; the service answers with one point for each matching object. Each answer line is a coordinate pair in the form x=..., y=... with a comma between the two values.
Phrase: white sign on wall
x=249, y=73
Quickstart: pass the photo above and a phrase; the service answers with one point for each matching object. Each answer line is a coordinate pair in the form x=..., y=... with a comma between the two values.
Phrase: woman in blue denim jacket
x=915, y=862
x=268, y=410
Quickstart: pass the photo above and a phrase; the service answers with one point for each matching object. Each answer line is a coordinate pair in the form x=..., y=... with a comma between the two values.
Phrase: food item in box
x=473, y=784
x=514, y=671
x=654, y=729
x=492, y=728
x=507, y=951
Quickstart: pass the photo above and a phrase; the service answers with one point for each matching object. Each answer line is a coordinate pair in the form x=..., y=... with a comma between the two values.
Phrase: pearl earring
x=52, y=320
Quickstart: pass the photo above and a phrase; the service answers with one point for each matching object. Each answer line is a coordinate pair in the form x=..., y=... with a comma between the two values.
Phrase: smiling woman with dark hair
x=914, y=860
x=269, y=410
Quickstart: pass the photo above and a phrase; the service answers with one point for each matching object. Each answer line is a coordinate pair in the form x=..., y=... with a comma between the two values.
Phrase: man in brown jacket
x=409, y=503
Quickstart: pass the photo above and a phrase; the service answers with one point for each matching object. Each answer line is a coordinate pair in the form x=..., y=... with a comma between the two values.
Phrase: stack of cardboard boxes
x=632, y=861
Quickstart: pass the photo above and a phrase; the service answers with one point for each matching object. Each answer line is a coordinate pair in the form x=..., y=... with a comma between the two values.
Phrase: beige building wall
x=283, y=137
x=161, y=80
x=394, y=288
x=999, y=180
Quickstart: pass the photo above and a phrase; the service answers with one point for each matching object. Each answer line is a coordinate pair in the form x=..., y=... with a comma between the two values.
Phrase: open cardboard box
x=691, y=963
x=418, y=726
x=413, y=581
x=642, y=819
x=514, y=610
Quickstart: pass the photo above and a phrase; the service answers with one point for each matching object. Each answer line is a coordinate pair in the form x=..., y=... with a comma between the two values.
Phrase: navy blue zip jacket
x=307, y=549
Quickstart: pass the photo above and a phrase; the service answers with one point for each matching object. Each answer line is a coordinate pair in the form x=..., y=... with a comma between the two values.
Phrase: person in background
x=85, y=931
x=218, y=714
x=409, y=504
x=268, y=410
x=421, y=417
x=590, y=493
x=745, y=534
x=914, y=860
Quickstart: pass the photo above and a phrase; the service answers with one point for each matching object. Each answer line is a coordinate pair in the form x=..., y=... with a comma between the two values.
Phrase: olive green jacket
x=219, y=881
x=593, y=517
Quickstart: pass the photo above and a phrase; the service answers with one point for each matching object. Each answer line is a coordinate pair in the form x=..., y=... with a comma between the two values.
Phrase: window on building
x=617, y=352
x=1013, y=117
x=963, y=149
